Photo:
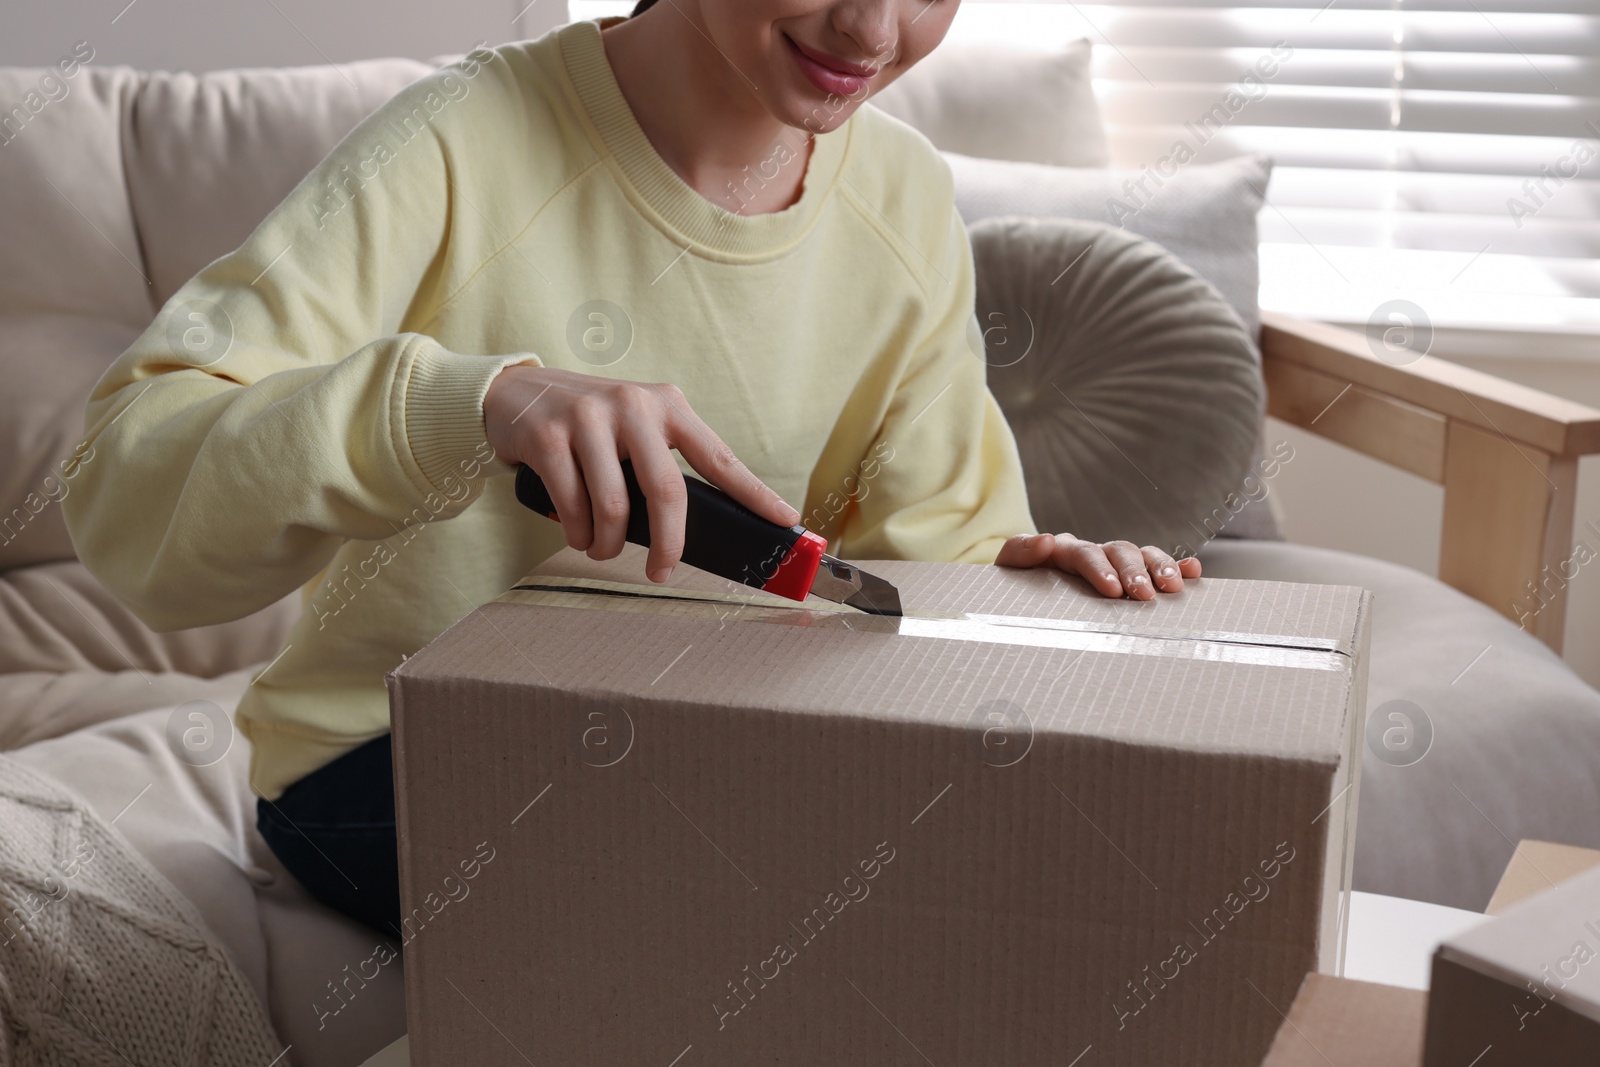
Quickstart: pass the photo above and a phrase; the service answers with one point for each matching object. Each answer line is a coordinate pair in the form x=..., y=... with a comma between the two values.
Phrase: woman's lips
x=827, y=73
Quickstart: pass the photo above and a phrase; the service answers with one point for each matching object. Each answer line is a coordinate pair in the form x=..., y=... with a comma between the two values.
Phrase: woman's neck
x=701, y=115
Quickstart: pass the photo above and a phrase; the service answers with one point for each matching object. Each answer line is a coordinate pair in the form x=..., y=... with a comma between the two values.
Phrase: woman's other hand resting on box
x=1113, y=568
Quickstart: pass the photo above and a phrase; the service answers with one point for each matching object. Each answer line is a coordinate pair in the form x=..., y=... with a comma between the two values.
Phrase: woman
x=493, y=269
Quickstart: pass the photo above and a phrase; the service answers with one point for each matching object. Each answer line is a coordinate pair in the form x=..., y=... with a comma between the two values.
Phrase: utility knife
x=726, y=538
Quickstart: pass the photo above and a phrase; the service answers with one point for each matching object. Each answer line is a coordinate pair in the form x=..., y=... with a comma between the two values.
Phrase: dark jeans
x=334, y=831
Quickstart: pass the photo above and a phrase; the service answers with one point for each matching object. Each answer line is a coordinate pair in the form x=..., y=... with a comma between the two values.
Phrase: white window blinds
x=1445, y=151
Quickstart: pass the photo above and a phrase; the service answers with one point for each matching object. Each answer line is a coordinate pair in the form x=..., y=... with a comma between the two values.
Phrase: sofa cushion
x=39, y=705
x=73, y=289
x=72, y=655
x=68, y=244
x=208, y=156
x=50, y=363
x=333, y=996
x=1515, y=734
x=58, y=617
x=999, y=101
x=1132, y=388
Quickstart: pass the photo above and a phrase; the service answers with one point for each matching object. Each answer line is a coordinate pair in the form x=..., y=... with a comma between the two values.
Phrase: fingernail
x=660, y=574
x=1137, y=579
x=1167, y=571
x=1110, y=577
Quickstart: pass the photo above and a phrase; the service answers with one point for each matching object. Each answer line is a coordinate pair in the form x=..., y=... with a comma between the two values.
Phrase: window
x=1442, y=151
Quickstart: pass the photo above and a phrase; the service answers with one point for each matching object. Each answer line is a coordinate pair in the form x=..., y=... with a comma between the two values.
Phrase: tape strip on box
x=1216, y=646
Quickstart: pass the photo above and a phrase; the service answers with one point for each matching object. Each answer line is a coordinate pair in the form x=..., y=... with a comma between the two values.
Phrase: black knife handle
x=720, y=534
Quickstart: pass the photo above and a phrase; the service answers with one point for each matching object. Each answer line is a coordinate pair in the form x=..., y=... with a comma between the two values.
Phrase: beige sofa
x=116, y=193
x=119, y=190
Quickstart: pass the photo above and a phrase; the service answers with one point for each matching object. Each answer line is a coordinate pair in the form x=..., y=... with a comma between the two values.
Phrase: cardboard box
x=1348, y=1022
x=1536, y=866
x=1020, y=824
x=1345, y=1022
x=1524, y=987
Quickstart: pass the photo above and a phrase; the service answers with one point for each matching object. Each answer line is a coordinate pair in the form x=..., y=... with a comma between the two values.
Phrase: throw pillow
x=1205, y=214
x=1133, y=390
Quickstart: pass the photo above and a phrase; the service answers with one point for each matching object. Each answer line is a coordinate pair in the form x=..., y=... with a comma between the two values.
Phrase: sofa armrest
x=1507, y=456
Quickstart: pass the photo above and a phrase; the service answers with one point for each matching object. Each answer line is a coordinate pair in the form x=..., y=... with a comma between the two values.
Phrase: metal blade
x=844, y=583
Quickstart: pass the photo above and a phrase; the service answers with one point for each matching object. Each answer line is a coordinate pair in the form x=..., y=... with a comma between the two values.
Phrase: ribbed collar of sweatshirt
x=657, y=191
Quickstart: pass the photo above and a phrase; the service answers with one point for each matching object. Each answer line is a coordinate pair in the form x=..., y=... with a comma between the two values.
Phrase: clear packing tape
x=1275, y=650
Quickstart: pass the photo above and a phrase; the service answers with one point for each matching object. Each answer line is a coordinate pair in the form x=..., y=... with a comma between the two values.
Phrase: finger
x=665, y=499
x=564, y=483
x=713, y=459
x=1164, y=568
x=1128, y=562
x=1088, y=559
x=596, y=450
x=1025, y=550
x=1189, y=567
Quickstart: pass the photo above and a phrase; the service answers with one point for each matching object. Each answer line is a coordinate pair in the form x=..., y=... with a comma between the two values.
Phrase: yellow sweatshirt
x=307, y=411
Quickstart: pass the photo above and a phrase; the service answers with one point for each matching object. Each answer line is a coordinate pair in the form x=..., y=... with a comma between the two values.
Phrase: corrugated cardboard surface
x=1524, y=988
x=1537, y=866
x=1350, y=1024
x=739, y=841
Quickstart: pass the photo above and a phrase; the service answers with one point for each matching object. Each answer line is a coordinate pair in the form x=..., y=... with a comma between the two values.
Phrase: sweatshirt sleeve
x=942, y=481
x=284, y=401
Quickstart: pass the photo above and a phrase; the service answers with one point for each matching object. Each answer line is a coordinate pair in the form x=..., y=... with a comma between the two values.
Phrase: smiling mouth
x=827, y=73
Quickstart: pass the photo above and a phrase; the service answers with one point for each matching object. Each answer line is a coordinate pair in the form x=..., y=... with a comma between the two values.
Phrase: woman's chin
x=812, y=111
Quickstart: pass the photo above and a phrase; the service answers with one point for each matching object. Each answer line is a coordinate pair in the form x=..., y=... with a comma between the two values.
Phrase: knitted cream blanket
x=102, y=961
